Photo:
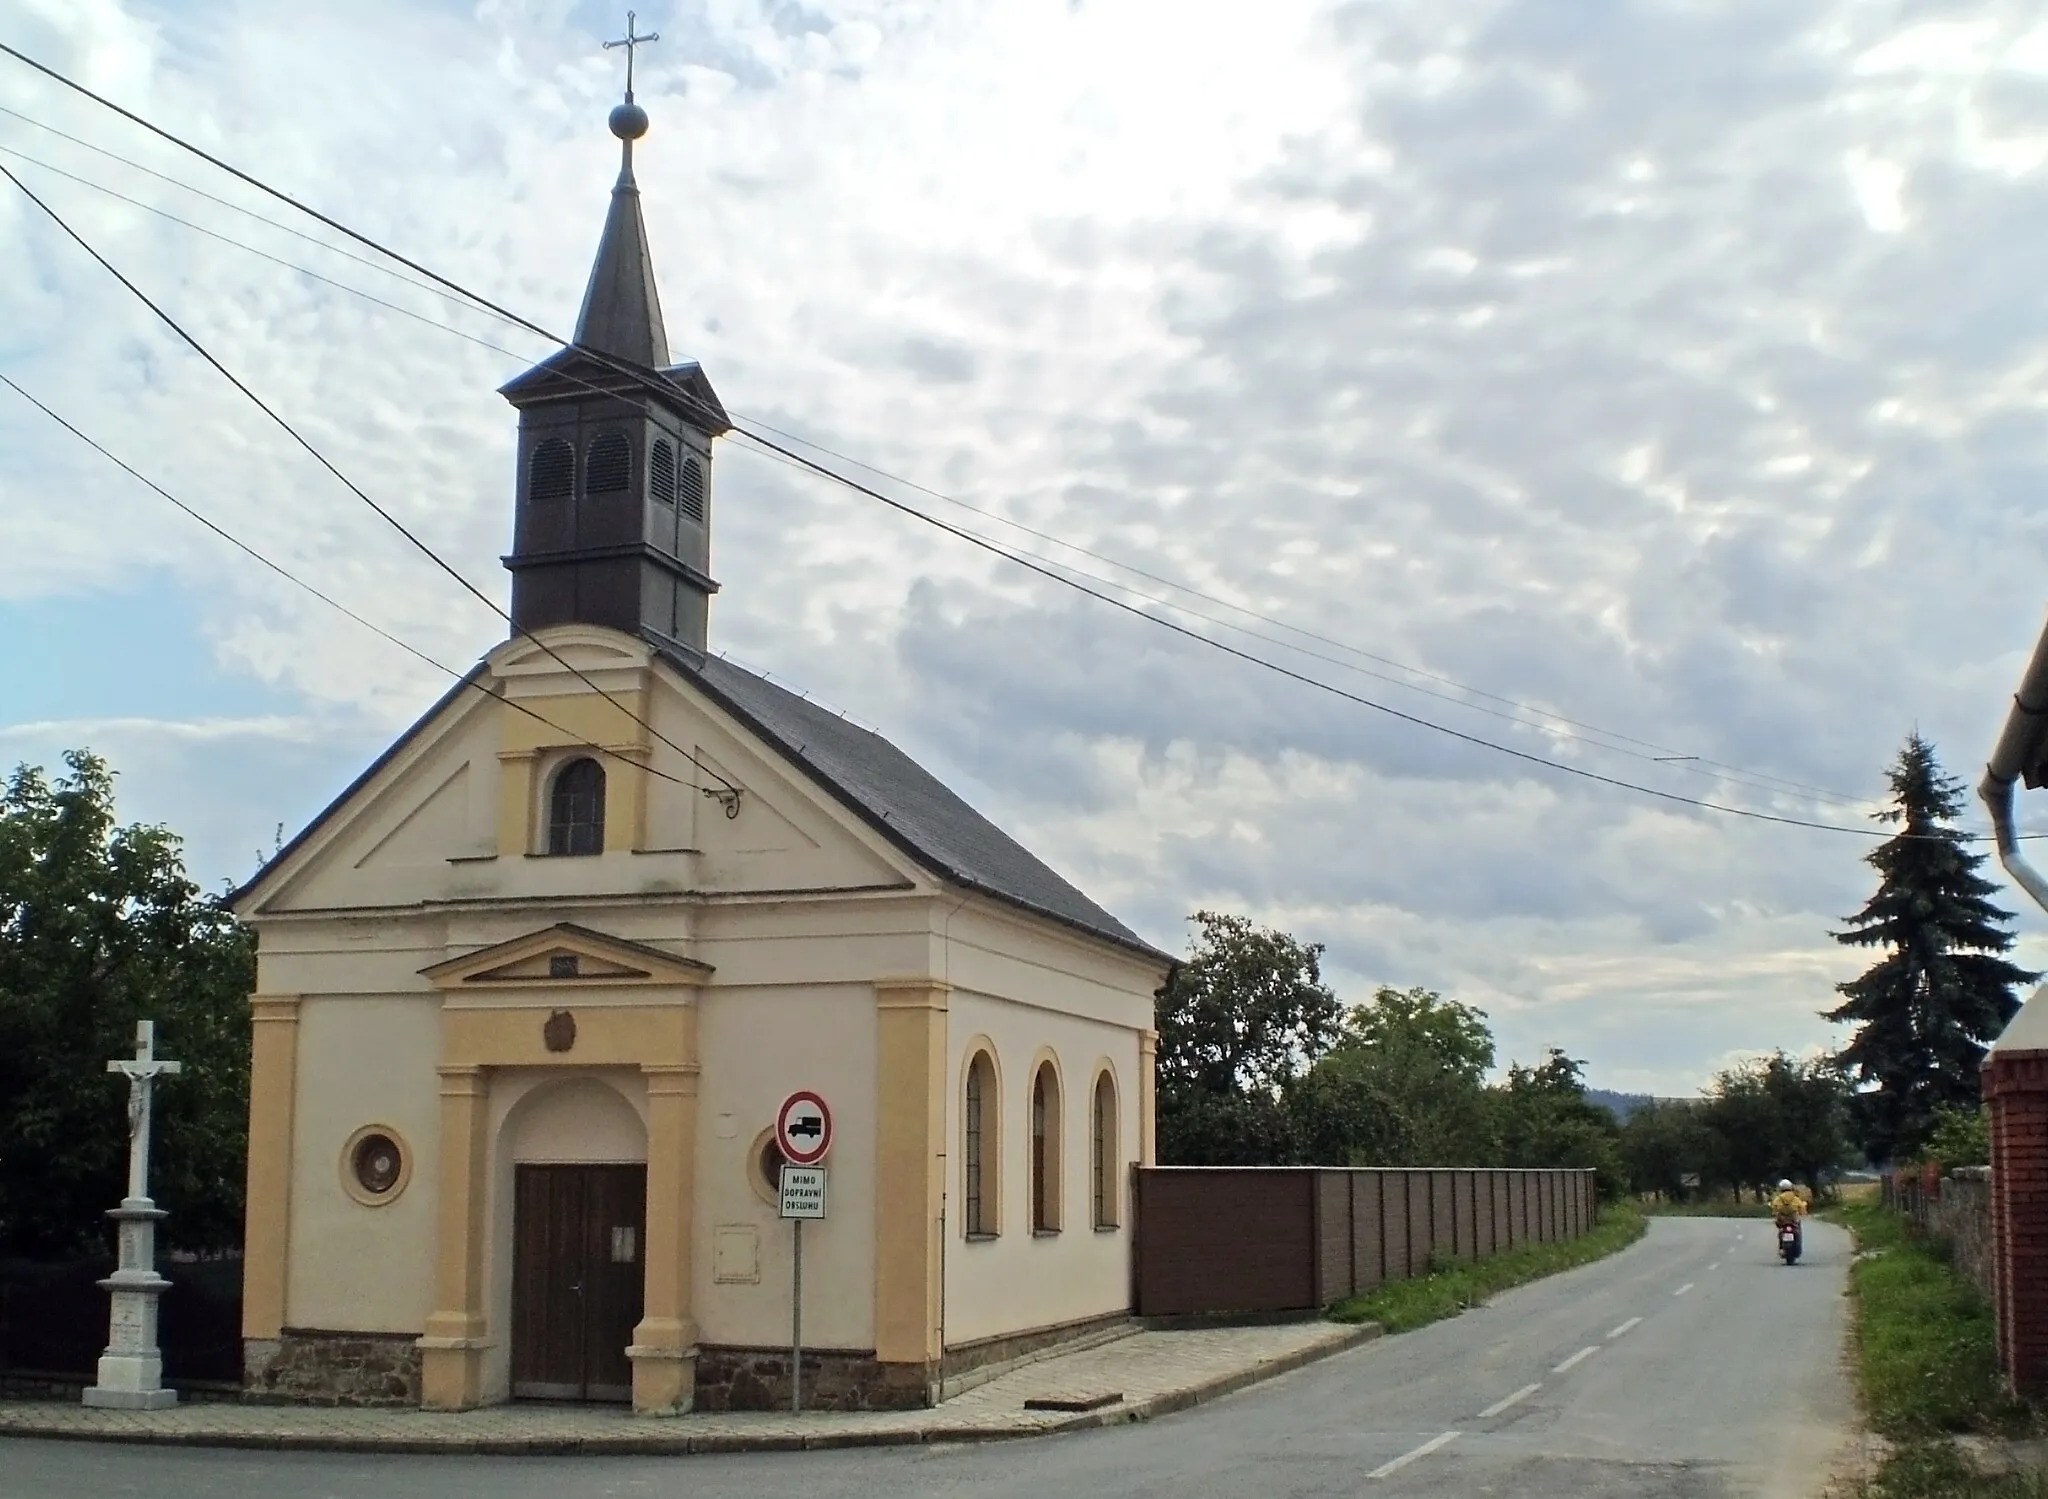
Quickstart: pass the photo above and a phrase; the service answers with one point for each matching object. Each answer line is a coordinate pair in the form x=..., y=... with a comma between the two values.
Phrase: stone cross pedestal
x=131, y=1370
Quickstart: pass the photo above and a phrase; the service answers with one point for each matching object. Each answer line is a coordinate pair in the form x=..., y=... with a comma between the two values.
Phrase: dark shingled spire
x=621, y=309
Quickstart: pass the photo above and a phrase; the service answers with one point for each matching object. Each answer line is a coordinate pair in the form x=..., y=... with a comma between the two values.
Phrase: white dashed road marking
x=1683, y=1289
x=1515, y=1399
x=1575, y=1360
x=1715, y=1266
x=1384, y=1469
x=1633, y=1321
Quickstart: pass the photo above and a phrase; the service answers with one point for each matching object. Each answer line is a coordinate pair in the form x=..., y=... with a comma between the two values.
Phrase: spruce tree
x=1927, y=1009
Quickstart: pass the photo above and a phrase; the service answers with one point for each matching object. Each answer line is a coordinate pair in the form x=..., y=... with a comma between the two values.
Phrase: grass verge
x=1454, y=1284
x=1927, y=1365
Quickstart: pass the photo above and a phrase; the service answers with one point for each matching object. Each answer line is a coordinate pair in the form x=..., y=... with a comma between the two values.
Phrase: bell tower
x=612, y=521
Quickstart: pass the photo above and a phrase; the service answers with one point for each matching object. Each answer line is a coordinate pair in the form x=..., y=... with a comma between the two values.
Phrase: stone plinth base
x=332, y=1368
x=99, y=1397
x=757, y=1379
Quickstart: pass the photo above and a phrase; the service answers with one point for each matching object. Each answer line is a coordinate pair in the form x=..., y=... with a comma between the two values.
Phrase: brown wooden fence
x=1277, y=1239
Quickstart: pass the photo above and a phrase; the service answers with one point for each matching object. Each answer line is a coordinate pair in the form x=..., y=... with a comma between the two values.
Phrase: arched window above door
x=576, y=808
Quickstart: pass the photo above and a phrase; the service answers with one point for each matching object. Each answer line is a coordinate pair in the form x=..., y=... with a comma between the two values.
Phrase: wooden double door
x=577, y=1279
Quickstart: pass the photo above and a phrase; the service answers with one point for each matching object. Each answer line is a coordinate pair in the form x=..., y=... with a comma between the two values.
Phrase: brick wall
x=2016, y=1087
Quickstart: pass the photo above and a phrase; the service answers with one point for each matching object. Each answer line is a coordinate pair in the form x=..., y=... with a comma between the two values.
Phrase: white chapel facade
x=530, y=991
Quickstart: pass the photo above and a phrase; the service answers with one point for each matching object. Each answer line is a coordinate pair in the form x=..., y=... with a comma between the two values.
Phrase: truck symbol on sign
x=812, y=1126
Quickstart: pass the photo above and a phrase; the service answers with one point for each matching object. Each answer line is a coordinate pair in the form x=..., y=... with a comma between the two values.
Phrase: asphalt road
x=1692, y=1364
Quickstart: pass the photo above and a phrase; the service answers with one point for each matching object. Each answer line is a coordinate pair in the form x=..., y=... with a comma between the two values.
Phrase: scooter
x=1788, y=1242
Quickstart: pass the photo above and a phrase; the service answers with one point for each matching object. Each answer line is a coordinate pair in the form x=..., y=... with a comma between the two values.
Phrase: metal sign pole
x=796, y=1325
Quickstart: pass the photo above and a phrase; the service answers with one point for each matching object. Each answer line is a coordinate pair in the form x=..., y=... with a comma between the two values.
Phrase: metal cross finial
x=629, y=41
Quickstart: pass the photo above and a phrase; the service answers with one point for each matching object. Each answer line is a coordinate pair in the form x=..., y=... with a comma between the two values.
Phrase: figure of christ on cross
x=142, y=1073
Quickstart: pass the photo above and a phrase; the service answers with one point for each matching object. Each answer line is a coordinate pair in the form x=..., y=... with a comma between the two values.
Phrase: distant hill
x=1620, y=1105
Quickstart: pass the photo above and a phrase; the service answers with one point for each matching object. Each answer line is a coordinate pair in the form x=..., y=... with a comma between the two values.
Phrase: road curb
x=650, y=1444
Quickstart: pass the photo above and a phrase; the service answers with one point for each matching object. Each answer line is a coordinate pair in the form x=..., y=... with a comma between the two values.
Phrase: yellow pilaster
x=528, y=746
x=451, y=1351
x=266, y=1235
x=1148, y=1084
x=664, y=1349
x=910, y=1146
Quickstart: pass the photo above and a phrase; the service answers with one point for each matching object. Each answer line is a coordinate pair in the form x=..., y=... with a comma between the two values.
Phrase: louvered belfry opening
x=693, y=491
x=609, y=467
x=612, y=521
x=661, y=471
x=551, y=471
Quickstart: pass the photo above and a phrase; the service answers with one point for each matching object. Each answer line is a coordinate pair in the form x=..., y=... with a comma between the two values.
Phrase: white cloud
x=1676, y=369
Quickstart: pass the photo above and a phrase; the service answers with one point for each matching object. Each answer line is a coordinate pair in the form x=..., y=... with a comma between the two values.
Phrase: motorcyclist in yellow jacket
x=1789, y=1206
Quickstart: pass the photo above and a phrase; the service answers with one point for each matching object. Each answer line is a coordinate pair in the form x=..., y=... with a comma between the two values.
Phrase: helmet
x=1785, y=1184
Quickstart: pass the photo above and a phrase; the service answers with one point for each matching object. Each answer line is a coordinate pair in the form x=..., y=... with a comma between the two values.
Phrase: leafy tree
x=100, y=928
x=1404, y=1085
x=1927, y=1009
x=1744, y=1119
x=1778, y=1117
x=1238, y=1022
x=1543, y=1118
x=1961, y=1137
x=1667, y=1148
x=1811, y=1101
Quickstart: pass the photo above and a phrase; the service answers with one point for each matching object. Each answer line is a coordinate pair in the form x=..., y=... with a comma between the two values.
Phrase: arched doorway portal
x=579, y=1222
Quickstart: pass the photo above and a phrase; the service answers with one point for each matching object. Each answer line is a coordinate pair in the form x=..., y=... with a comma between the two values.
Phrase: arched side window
x=551, y=471
x=576, y=809
x=1045, y=1149
x=608, y=467
x=693, y=490
x=980, y=1149
x=661, y=471
x=1103, y=1152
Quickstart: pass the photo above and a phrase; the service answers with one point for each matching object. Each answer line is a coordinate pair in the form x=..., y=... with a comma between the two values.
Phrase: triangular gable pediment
x=566, y=955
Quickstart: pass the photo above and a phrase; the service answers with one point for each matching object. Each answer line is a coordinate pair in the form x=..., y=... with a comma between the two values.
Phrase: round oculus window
x=377, y=1164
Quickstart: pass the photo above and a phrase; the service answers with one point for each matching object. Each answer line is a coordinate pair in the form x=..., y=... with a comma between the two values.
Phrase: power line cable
x=1523, y=715
x=671, y=391
x=1733, y=773
x=261, y=254
x=468, y=678
x=1665, y=752
x=228, y=203
x=731, y=790
x=470, y=297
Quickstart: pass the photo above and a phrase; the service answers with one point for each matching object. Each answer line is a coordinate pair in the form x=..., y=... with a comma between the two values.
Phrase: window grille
x=576, y=809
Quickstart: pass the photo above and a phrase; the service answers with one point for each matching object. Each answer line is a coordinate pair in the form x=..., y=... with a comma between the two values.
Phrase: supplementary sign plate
x=803, y=1191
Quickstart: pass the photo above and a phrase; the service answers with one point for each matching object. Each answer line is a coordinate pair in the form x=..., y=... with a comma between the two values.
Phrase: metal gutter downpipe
x=2018, y=750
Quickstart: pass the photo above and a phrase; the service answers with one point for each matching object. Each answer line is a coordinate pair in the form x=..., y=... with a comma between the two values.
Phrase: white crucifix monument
x=131, y=1370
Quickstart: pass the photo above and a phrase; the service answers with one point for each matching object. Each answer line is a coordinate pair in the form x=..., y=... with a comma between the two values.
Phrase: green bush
x=1962, y=1137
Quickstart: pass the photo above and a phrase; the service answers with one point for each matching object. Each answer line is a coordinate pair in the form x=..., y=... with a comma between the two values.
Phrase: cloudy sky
x=1611, y=380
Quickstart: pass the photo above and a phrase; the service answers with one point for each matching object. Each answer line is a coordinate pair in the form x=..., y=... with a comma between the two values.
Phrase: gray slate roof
x=902, y=800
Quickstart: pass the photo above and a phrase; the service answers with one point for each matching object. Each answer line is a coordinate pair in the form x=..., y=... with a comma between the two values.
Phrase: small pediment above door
x=565, y=955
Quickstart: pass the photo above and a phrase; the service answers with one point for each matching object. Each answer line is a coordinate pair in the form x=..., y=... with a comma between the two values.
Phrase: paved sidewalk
x=1154, y=1372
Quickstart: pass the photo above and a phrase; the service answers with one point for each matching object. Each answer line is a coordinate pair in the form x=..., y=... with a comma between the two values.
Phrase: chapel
x=531, y=991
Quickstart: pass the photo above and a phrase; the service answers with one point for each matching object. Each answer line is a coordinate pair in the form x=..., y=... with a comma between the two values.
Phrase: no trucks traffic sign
x=803, y=1128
